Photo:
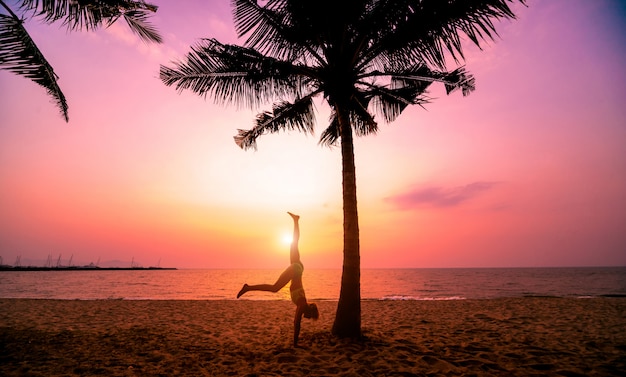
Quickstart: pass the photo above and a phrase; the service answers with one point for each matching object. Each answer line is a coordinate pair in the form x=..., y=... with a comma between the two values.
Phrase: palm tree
x=367, y=57
x=19, y=53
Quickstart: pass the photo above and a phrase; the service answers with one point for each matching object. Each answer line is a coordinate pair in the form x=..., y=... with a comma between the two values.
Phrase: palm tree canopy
x=19, y=53
x=369, y=57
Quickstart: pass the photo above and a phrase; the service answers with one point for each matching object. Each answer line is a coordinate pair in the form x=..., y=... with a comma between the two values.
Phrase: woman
x=293, y=273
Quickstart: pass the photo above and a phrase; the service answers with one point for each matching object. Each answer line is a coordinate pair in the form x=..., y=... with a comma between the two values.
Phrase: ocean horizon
x=320, y=284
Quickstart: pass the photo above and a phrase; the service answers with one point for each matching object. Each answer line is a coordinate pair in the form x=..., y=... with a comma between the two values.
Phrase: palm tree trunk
x=348, y=318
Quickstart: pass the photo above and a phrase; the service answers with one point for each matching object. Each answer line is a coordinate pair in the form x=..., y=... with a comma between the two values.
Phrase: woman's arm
x=296, y=324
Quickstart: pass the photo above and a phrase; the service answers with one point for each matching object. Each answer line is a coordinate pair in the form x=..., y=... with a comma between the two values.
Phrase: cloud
x=440, y=197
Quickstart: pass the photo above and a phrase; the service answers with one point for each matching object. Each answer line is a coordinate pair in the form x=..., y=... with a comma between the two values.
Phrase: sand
x=501, y=337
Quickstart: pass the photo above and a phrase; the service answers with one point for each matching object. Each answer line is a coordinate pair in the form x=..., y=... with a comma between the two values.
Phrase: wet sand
x=500, y=337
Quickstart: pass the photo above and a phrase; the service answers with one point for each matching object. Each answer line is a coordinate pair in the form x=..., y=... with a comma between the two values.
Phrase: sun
x=286, y=238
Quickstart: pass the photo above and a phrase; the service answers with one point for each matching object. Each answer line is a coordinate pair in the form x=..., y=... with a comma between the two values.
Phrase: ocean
x=376, y=284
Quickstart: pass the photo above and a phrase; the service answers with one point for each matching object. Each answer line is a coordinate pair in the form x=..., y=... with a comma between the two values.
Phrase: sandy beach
x=500, y=337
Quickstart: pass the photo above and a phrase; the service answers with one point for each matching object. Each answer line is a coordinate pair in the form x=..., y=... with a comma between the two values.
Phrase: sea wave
x=416, y=298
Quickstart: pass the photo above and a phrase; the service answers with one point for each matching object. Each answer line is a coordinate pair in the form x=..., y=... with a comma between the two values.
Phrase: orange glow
x=526, y=171
x=286, y=239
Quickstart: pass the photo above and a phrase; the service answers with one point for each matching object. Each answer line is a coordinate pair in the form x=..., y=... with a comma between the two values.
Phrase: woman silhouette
x=293, y=273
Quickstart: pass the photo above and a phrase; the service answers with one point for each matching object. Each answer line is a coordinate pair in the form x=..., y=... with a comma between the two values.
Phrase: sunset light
x=528, y=170
x=329, y=188
x=286, y=239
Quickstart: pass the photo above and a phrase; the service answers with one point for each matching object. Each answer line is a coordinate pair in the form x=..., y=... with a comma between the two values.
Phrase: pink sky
x=529, y=170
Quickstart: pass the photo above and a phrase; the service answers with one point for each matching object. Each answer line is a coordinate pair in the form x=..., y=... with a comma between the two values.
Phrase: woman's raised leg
x=283, y=279
x=294, y=254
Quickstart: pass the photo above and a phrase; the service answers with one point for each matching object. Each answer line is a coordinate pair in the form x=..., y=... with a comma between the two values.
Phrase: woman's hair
x=311, y=311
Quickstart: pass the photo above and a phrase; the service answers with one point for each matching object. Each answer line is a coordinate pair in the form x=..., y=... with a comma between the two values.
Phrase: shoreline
x=488, y=337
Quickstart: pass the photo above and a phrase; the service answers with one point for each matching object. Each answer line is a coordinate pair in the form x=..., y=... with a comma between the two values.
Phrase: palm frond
x=330, y=135
x=261, y=23
x=231, y=73
x=408, y=86
x=391, y=102
x=93, y=14
x=137, y=21
x=197, y=72
x=427, y=29
x=457, y=79
x=19, y=54
x=271, y=30
x=298, y=116
x=360, y=119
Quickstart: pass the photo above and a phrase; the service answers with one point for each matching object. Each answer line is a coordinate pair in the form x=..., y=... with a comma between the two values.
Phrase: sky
x=527, y=171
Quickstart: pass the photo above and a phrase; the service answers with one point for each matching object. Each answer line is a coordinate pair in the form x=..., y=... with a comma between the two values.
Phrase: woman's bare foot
x=294, y=217
x=243, y=290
